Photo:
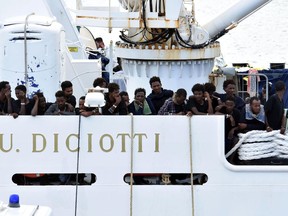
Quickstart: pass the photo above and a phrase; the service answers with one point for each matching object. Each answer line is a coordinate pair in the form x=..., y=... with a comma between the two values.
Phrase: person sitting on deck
x=211, y=88
x=200, y=102
x=175, y=105
x=141, y=105
x=158, y=96
x=114, y=104
x=125, y=97
x=60, y=107
x=232, y=117
x=5, y=98
x=252, y=116
x=23, y=105
x=67, y=88
x=85, y=111
x=41, y=105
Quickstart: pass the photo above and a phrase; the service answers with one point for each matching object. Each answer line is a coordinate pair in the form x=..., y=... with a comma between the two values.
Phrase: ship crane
x=163, y=38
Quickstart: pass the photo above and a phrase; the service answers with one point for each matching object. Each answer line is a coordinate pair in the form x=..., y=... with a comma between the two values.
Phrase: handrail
x=258, y=74
x=25, y=50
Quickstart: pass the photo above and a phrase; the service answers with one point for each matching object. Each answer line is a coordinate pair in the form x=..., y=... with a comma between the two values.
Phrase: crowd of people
x=255, y=114
x=240, y=117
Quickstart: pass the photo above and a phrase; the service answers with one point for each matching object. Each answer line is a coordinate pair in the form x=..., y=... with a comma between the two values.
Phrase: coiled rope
x=259, y=144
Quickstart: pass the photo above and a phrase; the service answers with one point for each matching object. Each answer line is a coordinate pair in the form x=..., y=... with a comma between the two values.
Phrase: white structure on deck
x=163, y=38
x=41, y=47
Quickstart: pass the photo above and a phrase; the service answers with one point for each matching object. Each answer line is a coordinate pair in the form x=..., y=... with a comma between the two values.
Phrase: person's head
x=210, y=88
x=180, y=96
x=113, y=90
x=99, y=43
x=280, y=86
x=198, y=91
x=140, y=94
x=155, y=84
x=230, y=103
x=81, y=103
x=60, y=99
x=125, y=97
x=67, y=88
x=255, y=105
x=4, y=87
x=42, y=100
x=101, y=82
x=229, y=86
x=20, y=91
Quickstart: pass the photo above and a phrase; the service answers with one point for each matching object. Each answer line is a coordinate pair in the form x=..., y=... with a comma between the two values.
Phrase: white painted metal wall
x=230, y=190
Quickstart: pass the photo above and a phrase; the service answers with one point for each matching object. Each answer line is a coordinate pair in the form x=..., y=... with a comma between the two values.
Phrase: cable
x=77, y=169
x=131, y=164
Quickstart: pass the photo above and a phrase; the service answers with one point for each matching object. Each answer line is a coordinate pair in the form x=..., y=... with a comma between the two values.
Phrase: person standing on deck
x=158, y=95
x=274, y=109
x=229, y=87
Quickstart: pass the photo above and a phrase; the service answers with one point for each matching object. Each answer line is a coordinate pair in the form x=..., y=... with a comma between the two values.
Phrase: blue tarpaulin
x=273, y=77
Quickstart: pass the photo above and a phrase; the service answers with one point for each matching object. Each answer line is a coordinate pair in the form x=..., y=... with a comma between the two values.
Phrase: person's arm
x=192, y=108
x=239, y=103
x=210, y=107
x=267, y=109
x=221, y=111
x=196, y=112
x=283, y=124
x=256, y=126
x=232, y=132
x=23, y=108
x=242, y=120
x=52, y=110
x=34, y=111
x=164, y=109
x=9, y=102
x=114, y=106
x=68, y=111
x=123, y=108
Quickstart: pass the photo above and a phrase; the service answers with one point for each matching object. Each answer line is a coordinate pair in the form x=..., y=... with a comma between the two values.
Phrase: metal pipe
x=25, y=51
x=233, y=15
x=110, y=26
